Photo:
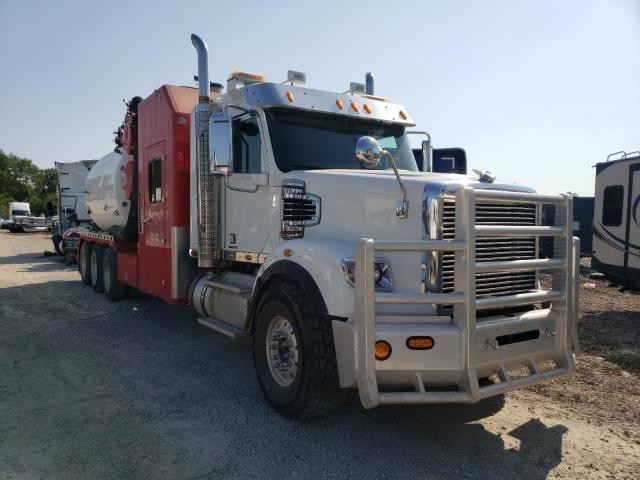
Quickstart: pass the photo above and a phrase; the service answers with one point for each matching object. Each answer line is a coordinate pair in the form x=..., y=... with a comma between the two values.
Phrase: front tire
x=114, y=290
x=294, y=354
x=95, y=259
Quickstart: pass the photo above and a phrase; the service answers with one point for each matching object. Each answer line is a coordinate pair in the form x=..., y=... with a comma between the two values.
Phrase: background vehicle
x=72, y=209
x=299, y=216
x=616, y=221
x=22, y=221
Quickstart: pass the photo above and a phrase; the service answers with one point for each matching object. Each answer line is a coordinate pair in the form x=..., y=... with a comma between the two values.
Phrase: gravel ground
x=136, y=389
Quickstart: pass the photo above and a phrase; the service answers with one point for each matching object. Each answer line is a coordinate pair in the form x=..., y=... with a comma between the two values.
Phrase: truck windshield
x=20, y=212
x=303, y=140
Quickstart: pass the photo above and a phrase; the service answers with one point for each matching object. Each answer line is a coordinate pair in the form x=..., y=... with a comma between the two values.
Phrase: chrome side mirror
x=368, y=152
x=220, y=149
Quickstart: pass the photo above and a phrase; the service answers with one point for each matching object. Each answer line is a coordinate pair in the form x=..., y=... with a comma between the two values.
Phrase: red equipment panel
x=128, y=268
x=163, y=186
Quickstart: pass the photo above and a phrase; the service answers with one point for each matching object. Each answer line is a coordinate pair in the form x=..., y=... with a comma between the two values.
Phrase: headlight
x=381, y=274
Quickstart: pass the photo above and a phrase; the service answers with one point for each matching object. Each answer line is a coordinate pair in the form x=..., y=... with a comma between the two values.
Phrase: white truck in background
x=21, y=220
x=72, y=208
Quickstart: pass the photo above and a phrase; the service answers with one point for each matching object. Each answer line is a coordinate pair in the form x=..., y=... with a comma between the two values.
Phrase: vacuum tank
x=108, y=193
x=111, y=189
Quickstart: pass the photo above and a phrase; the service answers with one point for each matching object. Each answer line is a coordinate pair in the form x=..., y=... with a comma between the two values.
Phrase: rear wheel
x=84, y=264
x=294, y=354
x=96, y=268
x=114, y=290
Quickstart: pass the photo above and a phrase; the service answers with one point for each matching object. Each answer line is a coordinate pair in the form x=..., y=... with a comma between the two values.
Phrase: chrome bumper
x=465, y=350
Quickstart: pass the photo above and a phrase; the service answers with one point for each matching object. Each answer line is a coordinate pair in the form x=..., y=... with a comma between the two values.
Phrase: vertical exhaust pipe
x=368, y=83
x=207, y=188
x=203, y=67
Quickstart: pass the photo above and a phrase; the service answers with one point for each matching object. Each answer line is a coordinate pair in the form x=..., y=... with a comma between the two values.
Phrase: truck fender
x=316, y=266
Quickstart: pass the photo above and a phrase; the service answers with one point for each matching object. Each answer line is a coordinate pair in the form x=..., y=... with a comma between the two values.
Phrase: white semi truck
x=299, y=217
x=72, y=209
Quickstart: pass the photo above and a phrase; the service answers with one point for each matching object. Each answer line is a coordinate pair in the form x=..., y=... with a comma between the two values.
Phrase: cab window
x=247, y=147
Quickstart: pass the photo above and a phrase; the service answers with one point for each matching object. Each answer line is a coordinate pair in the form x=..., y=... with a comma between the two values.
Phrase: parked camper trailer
x=616, y=220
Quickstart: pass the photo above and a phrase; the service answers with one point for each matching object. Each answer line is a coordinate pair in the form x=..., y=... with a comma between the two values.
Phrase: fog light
x=383, y=350
x=420, y=343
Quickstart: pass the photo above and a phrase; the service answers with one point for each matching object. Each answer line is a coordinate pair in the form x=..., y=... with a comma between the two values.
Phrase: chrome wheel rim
x=106, y=272
x=282, y=351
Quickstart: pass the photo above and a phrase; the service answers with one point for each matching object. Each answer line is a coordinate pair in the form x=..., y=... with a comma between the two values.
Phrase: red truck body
x=163, y=145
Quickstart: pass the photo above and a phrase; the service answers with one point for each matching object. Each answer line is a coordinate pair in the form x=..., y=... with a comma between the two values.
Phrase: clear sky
x=535, y=91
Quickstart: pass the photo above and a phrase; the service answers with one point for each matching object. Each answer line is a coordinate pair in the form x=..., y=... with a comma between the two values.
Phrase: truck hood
x=357, y=203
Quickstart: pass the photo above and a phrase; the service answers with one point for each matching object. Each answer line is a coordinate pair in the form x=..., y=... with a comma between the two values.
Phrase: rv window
x=612, y=206
x=155, y=180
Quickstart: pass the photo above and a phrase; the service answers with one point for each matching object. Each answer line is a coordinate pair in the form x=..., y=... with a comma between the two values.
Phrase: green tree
x=22, y=181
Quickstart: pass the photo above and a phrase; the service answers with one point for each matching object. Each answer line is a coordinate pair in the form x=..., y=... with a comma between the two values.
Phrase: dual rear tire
x=98, y=267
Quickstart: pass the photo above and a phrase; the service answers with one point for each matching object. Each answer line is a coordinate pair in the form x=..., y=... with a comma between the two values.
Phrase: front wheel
x=294, y=354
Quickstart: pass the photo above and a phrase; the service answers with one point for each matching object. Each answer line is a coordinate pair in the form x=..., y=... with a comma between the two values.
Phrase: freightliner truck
x=299, y=217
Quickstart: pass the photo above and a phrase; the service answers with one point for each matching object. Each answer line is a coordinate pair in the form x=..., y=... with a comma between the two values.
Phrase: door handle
x=146, y=220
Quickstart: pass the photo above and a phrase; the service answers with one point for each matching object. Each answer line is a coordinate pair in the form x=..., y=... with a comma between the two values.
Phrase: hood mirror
x=368, y=152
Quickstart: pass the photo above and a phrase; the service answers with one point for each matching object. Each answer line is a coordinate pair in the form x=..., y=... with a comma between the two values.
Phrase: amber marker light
x=403, y=115
x=339, y=104
x=289, y=96
x=367, y=108
x=288, y=252
x=383, y=350
x=354, y=107
x=420, y=343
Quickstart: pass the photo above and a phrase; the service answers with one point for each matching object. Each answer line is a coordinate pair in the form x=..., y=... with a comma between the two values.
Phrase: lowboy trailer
x=299, y=217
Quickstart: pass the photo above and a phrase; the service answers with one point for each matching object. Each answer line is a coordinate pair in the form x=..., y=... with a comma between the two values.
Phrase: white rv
x=616, y=218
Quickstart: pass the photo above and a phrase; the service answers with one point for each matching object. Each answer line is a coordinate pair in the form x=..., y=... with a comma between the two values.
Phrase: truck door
x=632, y=255
x=153, y=277
x=249, y=202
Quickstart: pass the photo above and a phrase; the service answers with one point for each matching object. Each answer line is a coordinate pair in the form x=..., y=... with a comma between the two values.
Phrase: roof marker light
x=289, y=96
x=367, y=108
x=339, y=104
x=403, y=115
x=354, y=107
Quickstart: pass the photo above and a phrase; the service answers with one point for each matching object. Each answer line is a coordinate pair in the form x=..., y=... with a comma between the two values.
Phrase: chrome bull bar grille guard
x=563, y=296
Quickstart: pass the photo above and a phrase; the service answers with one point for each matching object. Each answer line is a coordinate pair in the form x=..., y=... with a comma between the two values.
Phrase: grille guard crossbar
x=563, y=296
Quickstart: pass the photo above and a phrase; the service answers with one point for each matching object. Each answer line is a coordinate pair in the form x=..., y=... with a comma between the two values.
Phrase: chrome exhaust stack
x=205, y=183
x=203, y=67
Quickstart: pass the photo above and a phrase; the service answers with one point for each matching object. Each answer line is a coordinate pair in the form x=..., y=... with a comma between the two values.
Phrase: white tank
x=108, y=191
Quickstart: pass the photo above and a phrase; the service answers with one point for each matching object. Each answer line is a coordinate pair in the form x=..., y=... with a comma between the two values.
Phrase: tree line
x=22, y=181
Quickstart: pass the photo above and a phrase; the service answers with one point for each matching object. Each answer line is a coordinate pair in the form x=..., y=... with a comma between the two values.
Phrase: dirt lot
x=136, y=389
